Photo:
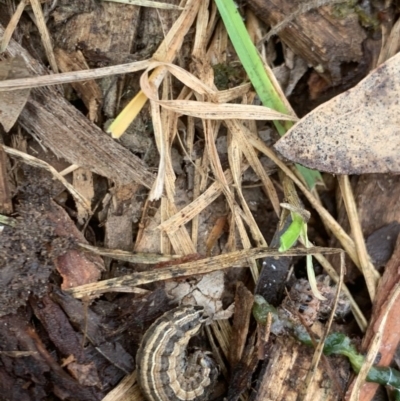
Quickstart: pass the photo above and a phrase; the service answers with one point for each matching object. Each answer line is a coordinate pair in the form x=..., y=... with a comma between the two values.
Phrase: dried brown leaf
x=356, y=132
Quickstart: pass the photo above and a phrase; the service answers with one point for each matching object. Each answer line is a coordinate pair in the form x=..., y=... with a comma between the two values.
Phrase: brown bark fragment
x=60, y=331
x=285, y=372
x=102, y=25
x=5, y=193
x=391, y=332
x=241, y=321
x=319, y=37
x=75, y=266
x=89, y=91
x=36, y=376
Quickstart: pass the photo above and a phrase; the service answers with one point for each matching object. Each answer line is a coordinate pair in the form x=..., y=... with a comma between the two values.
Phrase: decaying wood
x=98, y=25
x=42, y=366
x=102, y=27
x=84, y=183
x=319, y=37
x=75, y=267
x=69, y=134
x=390, y=335
x=241, y=321
x=89, y=91
x=286, y=369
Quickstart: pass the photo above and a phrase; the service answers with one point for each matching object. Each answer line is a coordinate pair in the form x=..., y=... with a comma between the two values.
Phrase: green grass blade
x=254, y=68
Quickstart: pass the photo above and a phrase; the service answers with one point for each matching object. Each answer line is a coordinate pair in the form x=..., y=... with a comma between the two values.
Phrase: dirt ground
x=115, y=211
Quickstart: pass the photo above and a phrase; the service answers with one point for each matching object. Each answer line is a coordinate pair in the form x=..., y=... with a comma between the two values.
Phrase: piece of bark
x=242, y=373
x=119, y=232
x=120, y=218
x=283, y=374
x=89, y=91
x=82, y=317
x=391, y=333
x=83, y=182
x=377, y=197
x=63, y=336
x=75, y=266
x=323, y=40
x=94, y=328
x=37, y=376
x=72, y=136
x=241, y=321
x=99, y=27
x=5, y=193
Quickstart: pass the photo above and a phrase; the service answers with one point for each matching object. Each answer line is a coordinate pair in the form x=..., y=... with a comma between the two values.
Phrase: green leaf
x=255, y=70
x=291, y=235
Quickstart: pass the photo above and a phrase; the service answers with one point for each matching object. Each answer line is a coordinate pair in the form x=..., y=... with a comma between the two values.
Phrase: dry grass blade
x=74, y=76
x=221, y=330
x=237, y=92
x=180, y=238
x=166, y=52
x=206, y=110
x=207, y=265
x=200, y=203
x=235, y=150
x=44, y=33
x=143, y=258
x=210, y=131
x=11, y=26
x=148, y=3
x=33, y=161
x=367, y=268
x=162, y=145
x=69, y=170
x=239, y=131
